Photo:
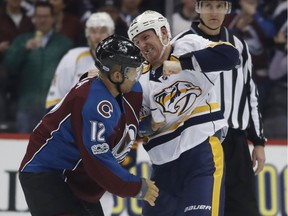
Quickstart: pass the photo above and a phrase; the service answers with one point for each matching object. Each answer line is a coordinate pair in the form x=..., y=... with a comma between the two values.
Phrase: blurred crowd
x=25, y=78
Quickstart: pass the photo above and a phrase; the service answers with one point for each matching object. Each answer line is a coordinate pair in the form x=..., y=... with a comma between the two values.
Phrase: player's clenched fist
x=152, y=192
x=171, y=67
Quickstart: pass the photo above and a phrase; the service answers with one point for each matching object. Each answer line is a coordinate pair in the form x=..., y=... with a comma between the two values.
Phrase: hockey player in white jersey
x=78, y=61
x=181, y=119
x=81, y=59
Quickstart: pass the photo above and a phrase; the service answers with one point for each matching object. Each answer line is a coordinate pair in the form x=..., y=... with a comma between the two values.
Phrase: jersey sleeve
x=189, y=43
x=62, y=81
x=255, y=130
x=199, y=54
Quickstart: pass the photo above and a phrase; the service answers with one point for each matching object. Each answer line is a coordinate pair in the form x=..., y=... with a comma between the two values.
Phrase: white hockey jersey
x=185, y=101
x=74, y=63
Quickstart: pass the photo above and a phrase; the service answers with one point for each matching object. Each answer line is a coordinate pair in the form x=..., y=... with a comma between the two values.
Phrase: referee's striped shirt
x=237, y=93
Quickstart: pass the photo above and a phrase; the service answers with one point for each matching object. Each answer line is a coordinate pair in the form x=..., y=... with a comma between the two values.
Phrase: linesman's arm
x=255, y=128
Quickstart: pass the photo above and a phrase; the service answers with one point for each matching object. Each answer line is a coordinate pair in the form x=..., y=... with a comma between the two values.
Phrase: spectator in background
x=183, y=16
x=235, y=4
x=28, y=5
x=13, y=22
x=113, y=7
x=265, y=10
x=85, y=9
x=244, y=23
x=130, y=9
x=34, y=57
x=276, y=113
x=66, y=24
x=156, y=5
x=72, y=7
x=280, y=17
x=118, y=9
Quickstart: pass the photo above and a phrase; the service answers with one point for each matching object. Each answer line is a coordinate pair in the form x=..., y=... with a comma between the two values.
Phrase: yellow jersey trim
x=218, y=159
x=51, y=103
x=82, y=55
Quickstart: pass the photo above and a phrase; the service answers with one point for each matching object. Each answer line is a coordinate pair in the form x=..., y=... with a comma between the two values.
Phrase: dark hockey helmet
x=117, y=50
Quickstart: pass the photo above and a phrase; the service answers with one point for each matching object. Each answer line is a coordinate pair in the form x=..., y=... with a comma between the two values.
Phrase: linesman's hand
x=171, y=67
x=152, y=193
x=258, y=155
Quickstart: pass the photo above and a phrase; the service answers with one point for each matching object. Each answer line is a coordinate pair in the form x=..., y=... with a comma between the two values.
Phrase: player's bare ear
x=164, y=30
x=164, y=33
x=116, y=74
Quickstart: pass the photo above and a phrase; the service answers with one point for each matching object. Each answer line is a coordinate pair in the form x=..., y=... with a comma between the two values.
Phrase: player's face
x=131, y=76
x=213, y=13
x=95, y=35
x=150, y=45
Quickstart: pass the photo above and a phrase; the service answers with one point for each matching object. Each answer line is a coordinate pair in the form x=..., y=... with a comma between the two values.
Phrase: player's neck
x=111, y=87
x=209, y=31
x=162, y=58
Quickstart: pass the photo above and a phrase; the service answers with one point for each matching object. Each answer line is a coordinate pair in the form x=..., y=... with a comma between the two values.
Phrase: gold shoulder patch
x=82, y=55
x=173, y=58
x=219, y=43
x=146, y=68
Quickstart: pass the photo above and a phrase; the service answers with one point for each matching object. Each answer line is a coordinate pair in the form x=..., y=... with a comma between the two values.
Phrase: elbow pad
x=186, y=61
x=217, y=58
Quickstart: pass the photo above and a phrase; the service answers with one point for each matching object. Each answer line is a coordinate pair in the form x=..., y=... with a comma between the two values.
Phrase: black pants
x=240, y=198
x=48, y=195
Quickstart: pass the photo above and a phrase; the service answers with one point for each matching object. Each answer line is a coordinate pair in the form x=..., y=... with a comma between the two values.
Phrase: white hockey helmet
x=100, y=19
x=148, y=20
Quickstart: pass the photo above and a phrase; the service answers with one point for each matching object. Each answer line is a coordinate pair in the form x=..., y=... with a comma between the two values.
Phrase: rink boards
x=272, y=183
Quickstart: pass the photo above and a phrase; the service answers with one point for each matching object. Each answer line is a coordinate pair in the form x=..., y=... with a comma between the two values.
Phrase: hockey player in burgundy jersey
x=74, y=152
